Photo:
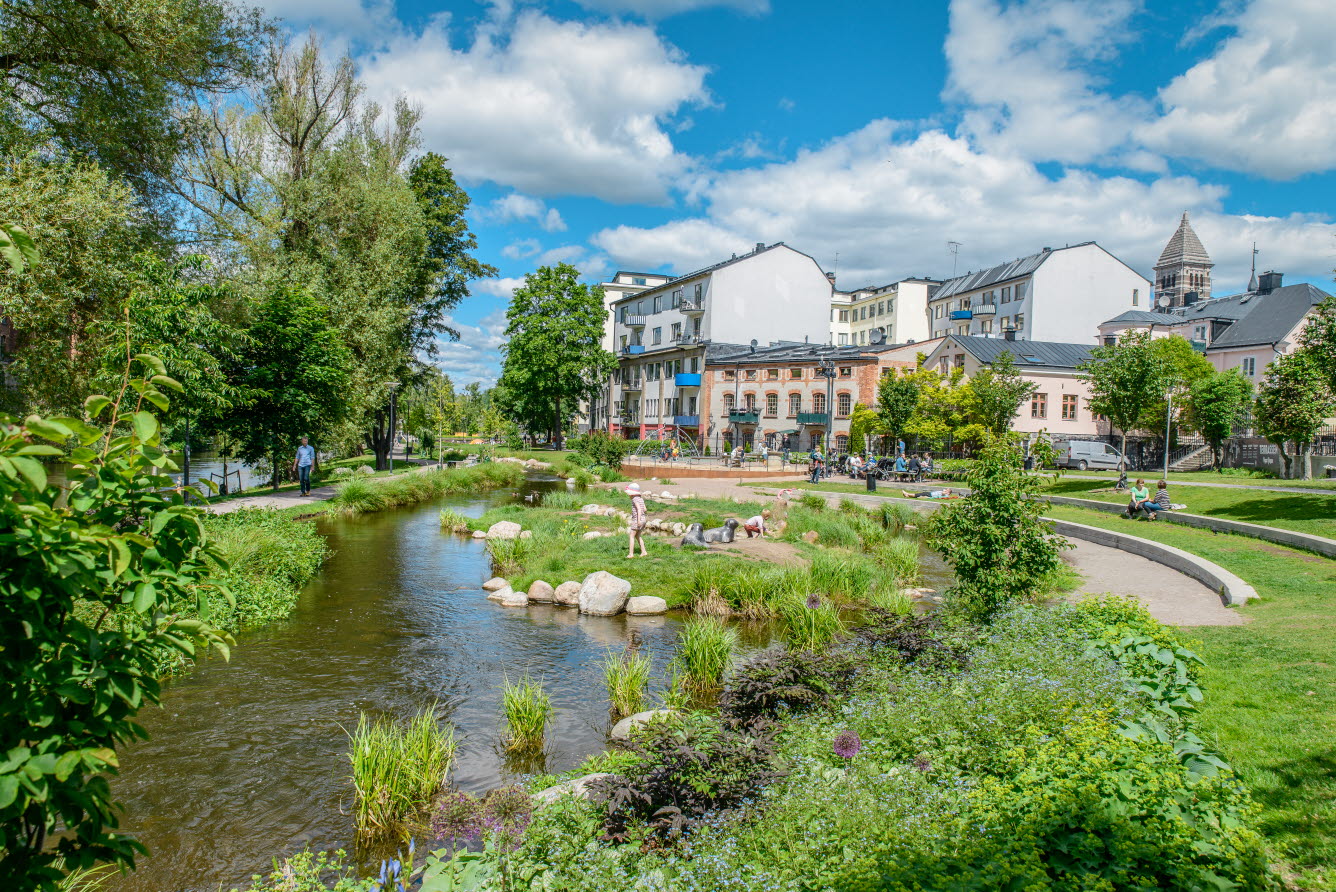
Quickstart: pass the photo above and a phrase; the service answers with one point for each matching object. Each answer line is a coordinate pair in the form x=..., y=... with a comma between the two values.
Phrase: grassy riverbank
x=1273, y=688
x=365, y=496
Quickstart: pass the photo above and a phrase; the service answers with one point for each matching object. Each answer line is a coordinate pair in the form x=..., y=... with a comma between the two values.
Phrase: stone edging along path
x=1232, y=590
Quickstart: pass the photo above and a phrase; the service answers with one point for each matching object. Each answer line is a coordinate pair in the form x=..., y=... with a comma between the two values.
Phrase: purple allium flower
x=922, y=764
x=847, y=744
x=813, y=601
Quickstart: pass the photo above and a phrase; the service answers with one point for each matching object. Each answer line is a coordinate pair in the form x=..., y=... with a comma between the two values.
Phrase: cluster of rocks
x=503, y=529
x=600, y=594
x=529, y=464
x=654, y=526
x=588, y=786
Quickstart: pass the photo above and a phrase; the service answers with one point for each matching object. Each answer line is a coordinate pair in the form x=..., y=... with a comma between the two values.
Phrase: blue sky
x=662, y=135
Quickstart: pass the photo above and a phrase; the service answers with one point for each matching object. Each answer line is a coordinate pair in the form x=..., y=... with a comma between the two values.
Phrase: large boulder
x=504, y=529
x=495, y=584
x=602, y=594
x=581, y=787
x=540, y=592
x=567, y=594
x=646, y=605
x=501, y=594
x=622, y=730
x=512, y=598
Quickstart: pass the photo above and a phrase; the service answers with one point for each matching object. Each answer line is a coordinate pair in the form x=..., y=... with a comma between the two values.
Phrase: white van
x=1086, y=455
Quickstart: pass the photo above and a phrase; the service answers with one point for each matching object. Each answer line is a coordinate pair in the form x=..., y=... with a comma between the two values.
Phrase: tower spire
x=1252, y=280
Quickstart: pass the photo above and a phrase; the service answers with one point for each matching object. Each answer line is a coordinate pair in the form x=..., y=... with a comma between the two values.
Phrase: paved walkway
x=1170, y=596
x=1112, y=478
x=284, y=498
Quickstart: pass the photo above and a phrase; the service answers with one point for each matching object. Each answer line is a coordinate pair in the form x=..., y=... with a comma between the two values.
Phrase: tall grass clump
x=812, y=502
x=810, y=623
x=849, y=506
x=562, y=500
x=894, y=516
x=398, y=768
x=705, y=652
x=528, y=708
x=358, y=496
x=892, y=601
x=900, y=557
x=509, y=555
x=454, y=522
x=627, y=677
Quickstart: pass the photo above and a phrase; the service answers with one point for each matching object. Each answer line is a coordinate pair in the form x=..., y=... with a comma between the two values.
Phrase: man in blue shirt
x=302, y=464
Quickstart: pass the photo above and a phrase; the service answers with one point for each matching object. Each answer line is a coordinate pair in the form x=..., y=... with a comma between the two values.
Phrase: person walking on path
x=635, y=529
x=302, y=464
x=815, y=459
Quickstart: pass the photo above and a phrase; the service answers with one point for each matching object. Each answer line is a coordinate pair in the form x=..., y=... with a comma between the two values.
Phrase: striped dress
x=638, y=513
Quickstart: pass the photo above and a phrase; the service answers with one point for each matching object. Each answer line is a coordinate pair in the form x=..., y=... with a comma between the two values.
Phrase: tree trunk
x=273, y=477
x=379, y=440
x=1123, y=450
x=1305, y=463
x=1284, y=457
x=556, y=439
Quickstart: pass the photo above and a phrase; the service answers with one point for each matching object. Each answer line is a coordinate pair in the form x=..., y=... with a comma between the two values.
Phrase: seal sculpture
x=723, y=534
x=694, y=536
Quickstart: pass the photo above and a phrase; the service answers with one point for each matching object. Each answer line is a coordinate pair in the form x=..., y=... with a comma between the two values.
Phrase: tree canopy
x=1125, y=379
x=997, y=392
x=1293, y=402
x=1216, y=404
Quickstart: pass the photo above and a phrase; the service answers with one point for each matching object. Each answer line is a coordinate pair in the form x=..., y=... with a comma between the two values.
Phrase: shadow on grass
x=1277, y=508
x=1299, y=799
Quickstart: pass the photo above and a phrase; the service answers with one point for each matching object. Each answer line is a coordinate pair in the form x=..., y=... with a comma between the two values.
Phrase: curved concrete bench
x=1232, y=590
x=1304, y=541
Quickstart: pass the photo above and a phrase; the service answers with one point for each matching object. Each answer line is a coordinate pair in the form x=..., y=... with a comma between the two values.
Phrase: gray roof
x=1184, y=247
x=1034, y=354
x=1012, y=269
x=736, y=258
x=1147, y=316
x=782, y=352
x=1272, y=317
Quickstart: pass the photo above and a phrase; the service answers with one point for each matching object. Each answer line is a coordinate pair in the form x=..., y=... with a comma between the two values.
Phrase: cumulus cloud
x=1265, y=101
x=517, y=207
x=658, y=9
x=1023, y=72
x=503, y=287
x=888, y=205
x=526, y=247
x=547, y=107
x=476, y=356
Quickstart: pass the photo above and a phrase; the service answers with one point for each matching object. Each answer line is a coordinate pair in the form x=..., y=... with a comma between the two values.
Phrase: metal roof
x=1012, y=269
x=1146, y=316
x=1031, y=354
x=1271, y=316
x=742, y=354
x=1184, y=247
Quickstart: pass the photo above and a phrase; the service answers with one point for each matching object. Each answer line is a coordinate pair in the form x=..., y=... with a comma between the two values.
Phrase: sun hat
x=632, y=489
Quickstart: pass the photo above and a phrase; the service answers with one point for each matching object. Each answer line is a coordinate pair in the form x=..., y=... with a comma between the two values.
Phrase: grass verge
x=364, y=496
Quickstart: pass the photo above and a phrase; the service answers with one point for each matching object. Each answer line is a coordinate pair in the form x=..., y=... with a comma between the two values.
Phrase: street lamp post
x=1168, y=425
x=827, y=370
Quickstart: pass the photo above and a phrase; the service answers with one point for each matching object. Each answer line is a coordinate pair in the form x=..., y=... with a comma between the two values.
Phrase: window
x=959, y=361
x=818, y=402
x=862, y=313
x=771, y=405
x=621, y=314
x=846, y=371
x=1020, y=321
x=677, y=298
x=638, y=280
x=751, y=374
x=963, y=330
x=728, y=403
x=844, y=315
x=1006, y=294
x=881, y=308
x=1069, y=407
x=640, y=308
x=699, y=290
x=1136, y=297
x=677, y=331
x=691, y=405
x=1039, y=405
x=795, y=404
x=1250, y=366
x=695, y=363
x=749, y=401
x=843, y=340
x=658, y=303
x=730, y=375
x=623, y=342
x=772, y=374
x=843, y=404
x=985, y=326
x=841, y=442
x=1021, y=288
x=1199, y=332
x=658, y=334
x=937, y=314
x=795, y=374
x=1006, y=322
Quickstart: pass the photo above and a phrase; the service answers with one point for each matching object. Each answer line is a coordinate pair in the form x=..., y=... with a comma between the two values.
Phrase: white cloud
x=547, y=107
x=523, y=248
x=1265, y=101
x=503, y=287
x=342, y=21
x=658, y=9
x=519, y=207
x=1023, y=72
x=888, y=206
x=476, y=356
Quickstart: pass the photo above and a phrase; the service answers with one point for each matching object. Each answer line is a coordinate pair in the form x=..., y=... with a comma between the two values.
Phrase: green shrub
x=601, y=448
x=397, y=768
x=528, y=708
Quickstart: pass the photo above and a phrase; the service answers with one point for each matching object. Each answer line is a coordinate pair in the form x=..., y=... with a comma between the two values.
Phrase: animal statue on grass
x=695, y=535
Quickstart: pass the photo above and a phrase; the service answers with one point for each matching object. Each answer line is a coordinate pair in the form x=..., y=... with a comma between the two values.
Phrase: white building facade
x=890, y=314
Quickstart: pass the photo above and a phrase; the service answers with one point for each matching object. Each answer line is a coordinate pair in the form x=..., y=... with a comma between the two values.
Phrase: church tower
x=1184, y=267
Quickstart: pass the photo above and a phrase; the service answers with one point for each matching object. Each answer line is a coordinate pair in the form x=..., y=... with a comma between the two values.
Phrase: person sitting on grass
x=1140, y=496
x=932, y=494
x=755, y=526
x=1160, y=502
x=635, y=529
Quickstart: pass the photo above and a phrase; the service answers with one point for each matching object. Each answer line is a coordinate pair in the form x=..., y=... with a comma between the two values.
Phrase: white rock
x=646, y=605
x=591, y=509
x=622, y=730
x=512, y=598
x=479, y=534
x=602, y=594
x=580, y=787
x=495, y=584
x=567, y=594
x=500, y=594
x=666, y=495
x=540, y=592
x=593, y=534
x=679, y=529
x=504, y=529
x=526, y=534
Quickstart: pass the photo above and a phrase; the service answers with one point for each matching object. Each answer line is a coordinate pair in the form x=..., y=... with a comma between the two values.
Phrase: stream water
x=247, y=760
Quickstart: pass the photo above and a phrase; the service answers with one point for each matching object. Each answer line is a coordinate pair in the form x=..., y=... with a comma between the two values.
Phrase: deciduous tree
x=1293, y=402
x=1216, y=404
x=996, y=393
x=1124, y=380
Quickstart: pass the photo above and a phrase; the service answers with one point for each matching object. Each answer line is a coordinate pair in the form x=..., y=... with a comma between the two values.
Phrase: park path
x=1170, y=596
x=284, y=498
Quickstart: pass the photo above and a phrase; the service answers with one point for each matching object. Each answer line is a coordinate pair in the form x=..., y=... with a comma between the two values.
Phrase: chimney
x=1268, y=281
x=760, y=246
x=1191, y=298
x=1009, y=334
x=1047, y=250
x=831, y=277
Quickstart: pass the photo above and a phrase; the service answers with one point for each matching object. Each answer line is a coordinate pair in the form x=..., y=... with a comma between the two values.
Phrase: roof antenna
x=954, y=249
x=1252, y=282
x=836, y=270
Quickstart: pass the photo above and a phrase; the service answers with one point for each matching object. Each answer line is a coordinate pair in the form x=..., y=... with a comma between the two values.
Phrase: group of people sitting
x=1141, y=499
x=913, y=468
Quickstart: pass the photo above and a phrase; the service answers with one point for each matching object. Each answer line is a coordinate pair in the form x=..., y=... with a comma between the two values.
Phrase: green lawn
x=1314, y=514
x=1271, y=688
x=1231, y=477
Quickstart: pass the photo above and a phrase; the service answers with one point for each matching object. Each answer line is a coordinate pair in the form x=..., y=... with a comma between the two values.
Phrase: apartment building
x=770, y=295
x=597, y=414
x=1059, y=295
x=890, y=314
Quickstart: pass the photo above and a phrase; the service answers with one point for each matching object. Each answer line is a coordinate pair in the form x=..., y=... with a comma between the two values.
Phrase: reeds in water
x=398, y=768
x=810, y=623
x=627, y=677
x=706, y=651
x=900, y=557
x=509, y=555
x=528, y=709
x=454, y=522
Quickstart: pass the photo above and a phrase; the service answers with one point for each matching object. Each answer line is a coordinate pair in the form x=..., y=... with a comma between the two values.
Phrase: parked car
x=1086, y=455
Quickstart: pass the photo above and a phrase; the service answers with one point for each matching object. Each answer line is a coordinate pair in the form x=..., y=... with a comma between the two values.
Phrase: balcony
x=692, y=306
x=816, y=418
x=633, y=349
x=688, y=339
x=985, y=310
x=686, y=420
x=743, y=416
x=687, y=379
x=634, y=321
x=962, y=314
x=632, y=385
